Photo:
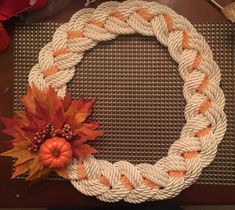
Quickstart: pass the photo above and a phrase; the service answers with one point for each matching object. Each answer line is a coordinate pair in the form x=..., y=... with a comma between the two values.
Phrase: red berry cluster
x=65, y=132
x=48, y=132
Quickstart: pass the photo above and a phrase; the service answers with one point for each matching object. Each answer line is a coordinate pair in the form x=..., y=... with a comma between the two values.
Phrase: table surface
x=17, y=193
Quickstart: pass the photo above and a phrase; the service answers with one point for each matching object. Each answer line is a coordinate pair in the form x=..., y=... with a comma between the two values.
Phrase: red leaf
x=13, y=128
x=78, y=112
x=67, y=101
x=8, y=122
x=28, y=100
x=83, y=150
x=35, y=122
x=41, y=113
x=58, y=118
x=72, y=108
x=86, y=106
x=9, y=132
x=92, y=125
x=88, y=131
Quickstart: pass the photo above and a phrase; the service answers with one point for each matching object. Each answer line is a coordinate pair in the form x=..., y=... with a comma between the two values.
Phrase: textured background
x=139, y=93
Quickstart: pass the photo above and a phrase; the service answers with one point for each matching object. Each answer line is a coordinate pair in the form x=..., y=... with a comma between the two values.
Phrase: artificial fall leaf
x=21, y=154
x=45, y=116
x=28, y=100
x=62, y=172
x=82, y=150
x=21, y=144
x=80, y=117
x=78, y=112
x=23, y=157
x=19, y=170
x=59, y=118
x=10, y=126
x=67, y=100
x=88, y=131
x=37, y=171
x=22, y=168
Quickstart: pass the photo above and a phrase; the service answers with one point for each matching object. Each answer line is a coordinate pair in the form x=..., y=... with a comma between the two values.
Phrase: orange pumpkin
x=55, y=153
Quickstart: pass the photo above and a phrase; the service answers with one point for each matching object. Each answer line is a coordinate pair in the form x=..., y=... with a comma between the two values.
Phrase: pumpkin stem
x=56, y=153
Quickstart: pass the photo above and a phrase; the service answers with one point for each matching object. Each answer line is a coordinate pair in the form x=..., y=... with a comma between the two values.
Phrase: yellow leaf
x=24, y=158
x=21, y=155
x=17, y=152
x=11, y=153
x=21, y=144
x=37, y=170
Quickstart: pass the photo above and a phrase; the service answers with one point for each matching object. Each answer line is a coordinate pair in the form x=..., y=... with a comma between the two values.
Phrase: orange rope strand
x=75, y=34
x=50, y=71
x=60, y=52
x=126, y=182
x=96, y=23
x=169, y=23
x=150, y=184
x=119, y=16
x=144, y=14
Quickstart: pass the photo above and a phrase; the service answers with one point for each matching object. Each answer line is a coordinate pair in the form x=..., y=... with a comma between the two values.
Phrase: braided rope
x=205, y=119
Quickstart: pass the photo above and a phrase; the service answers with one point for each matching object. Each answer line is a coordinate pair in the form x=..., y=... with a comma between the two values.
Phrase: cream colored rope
x=205, y=119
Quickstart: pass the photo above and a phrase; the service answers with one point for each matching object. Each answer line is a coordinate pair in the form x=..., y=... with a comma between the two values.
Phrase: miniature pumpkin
x=55, y=153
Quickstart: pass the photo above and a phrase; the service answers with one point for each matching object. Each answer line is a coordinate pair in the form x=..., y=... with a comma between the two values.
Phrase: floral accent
x=49, y=117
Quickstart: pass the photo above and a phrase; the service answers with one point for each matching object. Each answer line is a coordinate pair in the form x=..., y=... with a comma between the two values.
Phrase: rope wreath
x=205, y=119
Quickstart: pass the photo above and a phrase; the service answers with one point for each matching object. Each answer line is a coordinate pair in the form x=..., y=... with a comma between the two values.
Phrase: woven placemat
x=139, y=93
